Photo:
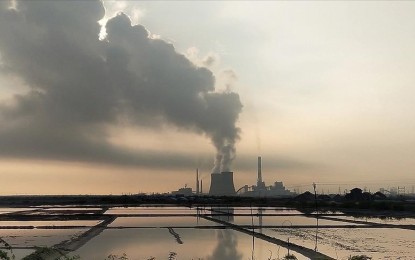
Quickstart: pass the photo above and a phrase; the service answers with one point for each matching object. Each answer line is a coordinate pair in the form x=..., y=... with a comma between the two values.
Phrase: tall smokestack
x=197, y=180
x=259, y=181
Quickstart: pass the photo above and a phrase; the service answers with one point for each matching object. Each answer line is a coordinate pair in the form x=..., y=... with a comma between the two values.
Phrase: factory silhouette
x=222, y=184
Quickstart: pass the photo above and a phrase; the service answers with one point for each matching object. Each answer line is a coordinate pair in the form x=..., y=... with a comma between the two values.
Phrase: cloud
x=80, y=84
x=210, y=59
x=229, y=78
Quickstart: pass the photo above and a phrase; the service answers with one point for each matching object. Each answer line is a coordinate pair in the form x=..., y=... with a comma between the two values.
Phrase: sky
x=120, y=97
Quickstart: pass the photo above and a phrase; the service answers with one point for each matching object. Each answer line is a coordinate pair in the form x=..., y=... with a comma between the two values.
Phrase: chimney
x=259, y=181
x=197, y=181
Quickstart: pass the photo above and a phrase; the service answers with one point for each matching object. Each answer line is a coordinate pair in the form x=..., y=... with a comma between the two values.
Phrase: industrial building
x=261, y=190
x=186, y=191
x=222, y=184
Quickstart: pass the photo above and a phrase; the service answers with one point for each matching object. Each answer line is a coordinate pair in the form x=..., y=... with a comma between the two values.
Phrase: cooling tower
x=221, y=184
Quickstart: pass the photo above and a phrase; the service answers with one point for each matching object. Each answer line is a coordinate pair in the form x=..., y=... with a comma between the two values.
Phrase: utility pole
x=315, y=194
x=315, y=199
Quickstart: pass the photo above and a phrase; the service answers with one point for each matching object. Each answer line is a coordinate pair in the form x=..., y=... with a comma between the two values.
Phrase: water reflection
x=315, y=246
x=218, y=244
x=226, y=247
x=175, y=235
x=223, y=213
x=260, y=218
x=214, y=233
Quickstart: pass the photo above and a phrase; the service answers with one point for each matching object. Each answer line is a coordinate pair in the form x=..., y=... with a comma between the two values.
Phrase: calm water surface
x=203, y=233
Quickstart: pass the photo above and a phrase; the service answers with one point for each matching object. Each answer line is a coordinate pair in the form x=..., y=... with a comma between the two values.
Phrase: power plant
x=221, y=184
x=261, y=190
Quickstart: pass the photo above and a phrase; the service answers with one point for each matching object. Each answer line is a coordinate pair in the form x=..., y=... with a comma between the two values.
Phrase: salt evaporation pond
x=378, y=243
x=183, y=221
x=218, y=244
x=202, y=233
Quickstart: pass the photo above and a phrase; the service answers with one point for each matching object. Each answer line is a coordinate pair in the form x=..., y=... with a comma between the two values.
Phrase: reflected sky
x=397, y=221
x=226, y=247
x=88, y=223
x=210, y=244
x=281, y=221
x=150, y=210
x=183, y=221
x=37, y=237
x=343, y=242
x=192, y=237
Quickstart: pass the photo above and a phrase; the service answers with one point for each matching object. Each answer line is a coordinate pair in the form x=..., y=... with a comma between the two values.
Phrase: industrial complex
x=222, y=184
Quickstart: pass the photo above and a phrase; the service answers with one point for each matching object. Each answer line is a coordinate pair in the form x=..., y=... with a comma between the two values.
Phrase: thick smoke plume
x=79, y=84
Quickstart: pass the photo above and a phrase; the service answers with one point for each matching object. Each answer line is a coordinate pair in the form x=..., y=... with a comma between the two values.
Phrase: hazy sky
x=322, y=90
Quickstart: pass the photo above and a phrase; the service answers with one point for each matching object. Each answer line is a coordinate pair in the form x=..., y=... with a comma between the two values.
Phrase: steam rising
x=80, y=84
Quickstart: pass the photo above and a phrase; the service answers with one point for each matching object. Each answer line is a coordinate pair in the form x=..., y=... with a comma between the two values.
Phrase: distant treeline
x=140, y=199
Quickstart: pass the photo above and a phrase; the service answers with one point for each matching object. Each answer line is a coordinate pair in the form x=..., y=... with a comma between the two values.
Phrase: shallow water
x=157, y=231
x=211, y=244
x=388, y=220
x=70, y=208
x=255, y=210
x=49, y=223
x=183, y=221
x=15, y=210
x=20, y=253
x=151, y=210
x=341, y=243
x=282, y=221
x=37, y=237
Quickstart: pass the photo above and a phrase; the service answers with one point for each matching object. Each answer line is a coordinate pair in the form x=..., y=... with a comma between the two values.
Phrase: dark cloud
x=79, y=85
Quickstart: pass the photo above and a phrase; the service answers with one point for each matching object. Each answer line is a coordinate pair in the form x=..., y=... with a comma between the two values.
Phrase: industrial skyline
x=133, y=96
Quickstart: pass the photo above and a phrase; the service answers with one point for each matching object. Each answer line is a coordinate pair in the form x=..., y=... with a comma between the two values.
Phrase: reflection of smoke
x=223, y=214
x=226, y=247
